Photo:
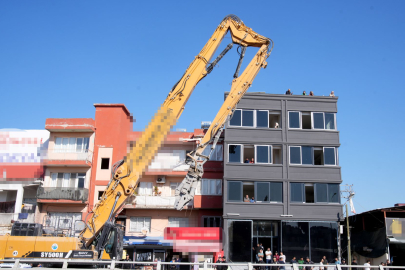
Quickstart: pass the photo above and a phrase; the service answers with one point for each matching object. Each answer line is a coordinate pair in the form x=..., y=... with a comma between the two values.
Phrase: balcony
x=166, y=202
x=6, y=218
x=63, y=193
x=58, y=158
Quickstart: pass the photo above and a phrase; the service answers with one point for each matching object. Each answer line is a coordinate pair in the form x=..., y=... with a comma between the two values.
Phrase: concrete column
x=19, y=200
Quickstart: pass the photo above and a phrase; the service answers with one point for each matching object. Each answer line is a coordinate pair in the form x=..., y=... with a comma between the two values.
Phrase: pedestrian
x=388, y=263
x=354, y=262
x=276, y=257
x=343, y=262
x=217, y=266
x=311, y=93
x=294, y=260
x=288, y=92
x=308, y=261
x=268, y=258
x=283, y=256
x=224, y=267
x=325, y=261
x=282, y=262
x=301, y=261
x=257, y=250
x=260, y=254
x=260, y=261
x=367, y=264
x=321, y=265
x=127, y=265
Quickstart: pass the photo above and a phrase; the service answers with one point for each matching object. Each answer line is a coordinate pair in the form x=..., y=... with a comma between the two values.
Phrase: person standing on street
x=354, y=262
x=367, y=264
x=308, y=261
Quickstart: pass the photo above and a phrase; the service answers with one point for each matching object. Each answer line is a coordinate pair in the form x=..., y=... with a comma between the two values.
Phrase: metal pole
x=349, y=254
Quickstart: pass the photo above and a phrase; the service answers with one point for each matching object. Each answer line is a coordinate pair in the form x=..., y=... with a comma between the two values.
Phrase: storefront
x=312, y=239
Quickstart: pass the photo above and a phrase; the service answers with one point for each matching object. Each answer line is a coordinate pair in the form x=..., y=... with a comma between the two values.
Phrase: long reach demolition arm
x=126, y=173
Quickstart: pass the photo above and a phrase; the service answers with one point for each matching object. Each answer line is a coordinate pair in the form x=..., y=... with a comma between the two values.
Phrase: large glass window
x=68, y=180
x=137, y=224
x=294, y=119
x=330, y=121
x=297, y=192
x=211, y=187
x=178, y=222
x=307, y=157
x=323, y=240
x=216, y=154
x=240, y=240
x=263, y=154
x=235, y=153
x=321, y=192
x=295, y=238
x=276, y=192
x=236, y=119
x=234, y=191
x=295, y=154
x=263, y=192
x=248, y=118
x=212, y=222
x=333, y=193
x=318, y=120
x=71, y=144
x=329, y=155
x=262, y=119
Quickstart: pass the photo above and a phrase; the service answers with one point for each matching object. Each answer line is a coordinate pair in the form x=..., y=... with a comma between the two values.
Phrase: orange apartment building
x=81, y=153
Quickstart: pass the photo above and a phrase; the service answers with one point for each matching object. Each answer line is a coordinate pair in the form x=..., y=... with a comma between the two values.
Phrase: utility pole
x=350, y=194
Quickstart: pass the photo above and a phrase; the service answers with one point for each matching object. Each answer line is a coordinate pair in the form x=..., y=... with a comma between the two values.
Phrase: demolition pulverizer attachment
x=185, y=191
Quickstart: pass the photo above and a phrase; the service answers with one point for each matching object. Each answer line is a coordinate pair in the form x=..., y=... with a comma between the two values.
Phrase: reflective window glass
x=262, y=192
x=333, y=193
x=276, y=192
x=236, y=119
x=295, y=237
x=318, y=120
x=297, y=192
x=262, y=154
x=324, y=239
x=235, y=153
x=234, y=191
x=295, y=155
x=247, y=118
x=321, y=192
x=240, y=240
x=293, y=119
x=262, y=119
x=307, y=155
x=329, y=156
x=329, y=121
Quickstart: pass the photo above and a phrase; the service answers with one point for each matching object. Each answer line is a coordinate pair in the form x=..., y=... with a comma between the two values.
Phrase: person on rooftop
x=332, y=94
x=311, y=93
x=304, y=93
x=288, y=92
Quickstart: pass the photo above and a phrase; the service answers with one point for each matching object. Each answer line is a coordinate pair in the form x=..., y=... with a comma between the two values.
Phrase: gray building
x=282, y=152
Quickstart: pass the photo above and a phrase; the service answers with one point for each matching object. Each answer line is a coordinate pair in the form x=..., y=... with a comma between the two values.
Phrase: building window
x=212, y=222
x=105, y=163
x=145, y=188
x=178, y=222
x=173, y=186
x=314, y=120
x=262, y=119
x=262, y=192
x=137, y=224
x=263, y=154
x=234, y=191
x=68, y=180
x=244, y=118
x=236, y=119
x=295, y=154
x=315, y=193
x=256, y=118
x=294, y=120
x=71, y=144
x=216, y=154
x=211, y=187
x=308, y=155
x=235, y=153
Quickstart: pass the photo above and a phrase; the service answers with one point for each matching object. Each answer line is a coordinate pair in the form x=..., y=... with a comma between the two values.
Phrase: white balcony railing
x=86, y=155
x=154, y=202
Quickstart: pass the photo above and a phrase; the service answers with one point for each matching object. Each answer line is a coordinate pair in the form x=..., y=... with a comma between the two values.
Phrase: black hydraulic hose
x=242, y=54
x=212, y=65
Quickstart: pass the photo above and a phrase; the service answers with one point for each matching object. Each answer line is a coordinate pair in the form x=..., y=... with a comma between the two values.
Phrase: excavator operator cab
x=110, y=243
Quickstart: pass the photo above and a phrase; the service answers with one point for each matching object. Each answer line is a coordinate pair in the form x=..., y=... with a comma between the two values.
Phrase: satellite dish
x=144, y=231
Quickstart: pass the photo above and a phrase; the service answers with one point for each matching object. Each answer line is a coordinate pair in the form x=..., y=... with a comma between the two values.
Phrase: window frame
x=240, y=118
x=254, y=118
x=144, y=218
x=213, y=217
x=179, y=220
x=315, y=185
x=205, y=180
x=299, y=120
x=302, y=192
x=334, y=120
x=256, y=189
x=313, y=122
x=69, y=148
x=268, y=118
x=289, y=155
x=241, y=191
x=241, y=153
x=334, y=154
x=269, y=154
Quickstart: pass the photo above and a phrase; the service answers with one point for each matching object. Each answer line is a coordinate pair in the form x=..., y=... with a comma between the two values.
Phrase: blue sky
x=58, y=58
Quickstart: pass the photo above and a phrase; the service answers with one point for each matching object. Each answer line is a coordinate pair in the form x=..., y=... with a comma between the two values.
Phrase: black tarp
x=364, y=241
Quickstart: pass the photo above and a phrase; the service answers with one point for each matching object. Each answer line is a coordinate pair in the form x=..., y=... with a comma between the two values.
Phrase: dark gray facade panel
x=254, y=210
x=312, y=106
x=254, y=135
x=260, y=104
x=313, y=137
x=325, y=173
x=315, y=211
x=253, y=172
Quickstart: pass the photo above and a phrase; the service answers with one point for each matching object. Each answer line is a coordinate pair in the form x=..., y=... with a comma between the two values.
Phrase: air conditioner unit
x=161, y=180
